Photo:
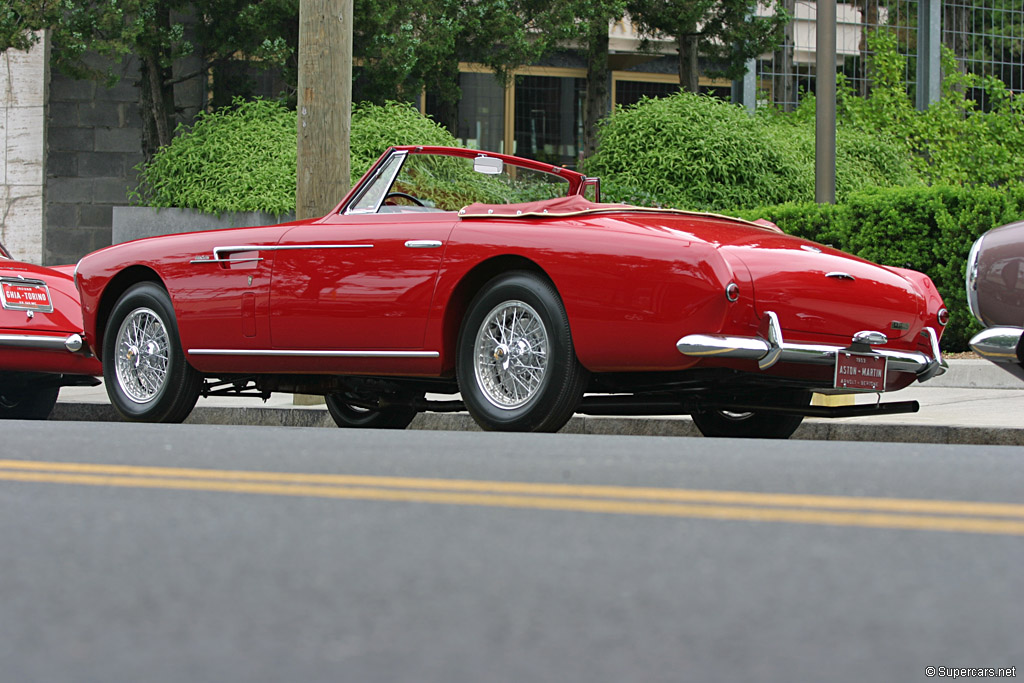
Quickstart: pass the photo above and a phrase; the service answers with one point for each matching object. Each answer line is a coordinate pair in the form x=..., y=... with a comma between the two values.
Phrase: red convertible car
x=41, y=347
x=505, y=284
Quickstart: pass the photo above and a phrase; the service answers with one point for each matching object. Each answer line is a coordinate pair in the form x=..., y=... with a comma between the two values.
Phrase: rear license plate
x=25, y=296
x=860, y=372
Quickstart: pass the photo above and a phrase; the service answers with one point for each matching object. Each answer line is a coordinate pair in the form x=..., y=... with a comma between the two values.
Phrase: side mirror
x=488, y=165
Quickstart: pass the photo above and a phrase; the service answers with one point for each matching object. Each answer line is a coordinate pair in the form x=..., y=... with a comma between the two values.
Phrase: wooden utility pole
x=825, y=113
x=325, y=112
x=325, y=105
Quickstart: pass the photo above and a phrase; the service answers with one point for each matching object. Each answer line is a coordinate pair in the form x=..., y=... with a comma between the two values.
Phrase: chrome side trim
x=836, y=275
x=72, y=343
x=314, y=354
x=217, y=251
x=971, y=281
x=768, y=348
x=998, y=344
x=225, y=260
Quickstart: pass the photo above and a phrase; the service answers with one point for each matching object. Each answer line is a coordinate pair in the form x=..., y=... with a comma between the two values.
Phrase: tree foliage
x=726, y=32
x=154, y=33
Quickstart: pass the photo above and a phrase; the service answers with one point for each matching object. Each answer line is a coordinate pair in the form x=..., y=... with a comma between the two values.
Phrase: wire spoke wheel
x=142, y=355
x=515, y=363
x=511, y=354
x=145, y=371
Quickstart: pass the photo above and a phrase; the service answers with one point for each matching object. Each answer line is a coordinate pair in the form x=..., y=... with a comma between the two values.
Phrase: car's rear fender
x=464, y=291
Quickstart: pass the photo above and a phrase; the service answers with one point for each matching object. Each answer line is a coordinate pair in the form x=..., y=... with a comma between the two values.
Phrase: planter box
x=135, y=222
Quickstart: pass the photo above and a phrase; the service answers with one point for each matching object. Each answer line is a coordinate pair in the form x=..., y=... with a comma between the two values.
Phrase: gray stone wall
x=94, y=138
x=23, y=77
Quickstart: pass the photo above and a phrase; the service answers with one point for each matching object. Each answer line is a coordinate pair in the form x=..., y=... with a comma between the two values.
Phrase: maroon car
x=41, y=347
x=995, y=294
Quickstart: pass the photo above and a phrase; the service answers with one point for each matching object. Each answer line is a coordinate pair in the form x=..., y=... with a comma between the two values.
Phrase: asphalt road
x=206, y=553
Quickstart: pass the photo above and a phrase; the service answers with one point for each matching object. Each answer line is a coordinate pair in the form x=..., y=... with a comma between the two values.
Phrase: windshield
x=439, y=182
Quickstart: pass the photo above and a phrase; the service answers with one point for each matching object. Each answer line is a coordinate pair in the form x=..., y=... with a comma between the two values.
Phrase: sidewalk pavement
x=974, y=402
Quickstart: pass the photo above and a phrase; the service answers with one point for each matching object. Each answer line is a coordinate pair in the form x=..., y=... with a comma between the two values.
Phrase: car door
x=357, y=282
x=219, y=282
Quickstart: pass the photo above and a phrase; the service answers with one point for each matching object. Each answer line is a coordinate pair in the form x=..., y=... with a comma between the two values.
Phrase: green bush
x=377, y=127
x=239, y=158
x=926, y=229
x=242, y=157
x=954, y=141
x=697, y=152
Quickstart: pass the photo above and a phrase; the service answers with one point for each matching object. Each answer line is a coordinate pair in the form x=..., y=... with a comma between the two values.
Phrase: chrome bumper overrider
x=769, y=348
x=72, y=343
x=998, y=344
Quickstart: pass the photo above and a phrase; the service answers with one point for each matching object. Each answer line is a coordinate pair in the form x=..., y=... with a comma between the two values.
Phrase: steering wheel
x=403, y=195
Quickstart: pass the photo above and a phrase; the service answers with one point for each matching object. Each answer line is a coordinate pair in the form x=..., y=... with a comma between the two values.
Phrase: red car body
x=665, y=311
x=41, y=347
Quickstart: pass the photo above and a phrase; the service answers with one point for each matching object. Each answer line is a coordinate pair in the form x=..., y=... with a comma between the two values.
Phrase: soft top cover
x=577, y=205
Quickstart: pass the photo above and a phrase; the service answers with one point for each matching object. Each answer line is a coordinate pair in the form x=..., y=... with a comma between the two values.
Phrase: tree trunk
x=689, y=71
x=156, y=98
x=597, y=105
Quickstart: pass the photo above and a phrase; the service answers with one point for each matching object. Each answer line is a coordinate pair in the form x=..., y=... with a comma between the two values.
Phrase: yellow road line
x=489, y=494
x=947, y=507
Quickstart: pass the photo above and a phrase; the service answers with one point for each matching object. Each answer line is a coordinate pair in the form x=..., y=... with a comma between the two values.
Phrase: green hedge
x=242, y=157
x=696, y=152
x=926, y=229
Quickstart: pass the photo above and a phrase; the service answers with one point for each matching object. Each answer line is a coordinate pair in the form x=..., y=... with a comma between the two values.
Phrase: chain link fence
x=985, y=36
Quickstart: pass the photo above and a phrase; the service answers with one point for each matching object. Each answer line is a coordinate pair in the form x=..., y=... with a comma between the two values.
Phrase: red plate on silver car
x=25, y=295
x=860, y=371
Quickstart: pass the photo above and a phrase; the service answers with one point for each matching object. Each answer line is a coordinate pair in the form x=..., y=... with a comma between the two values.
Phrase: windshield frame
x=576, y=182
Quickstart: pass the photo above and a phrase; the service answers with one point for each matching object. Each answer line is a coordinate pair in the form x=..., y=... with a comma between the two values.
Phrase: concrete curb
x=811, y=429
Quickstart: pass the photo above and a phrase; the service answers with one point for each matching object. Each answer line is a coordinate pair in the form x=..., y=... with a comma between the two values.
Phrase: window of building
x=482, y=112
x=629, y=92
x=548, y=118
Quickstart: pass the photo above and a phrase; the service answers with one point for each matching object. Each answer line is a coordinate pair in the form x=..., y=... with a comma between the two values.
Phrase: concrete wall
x=94, y=142
x=23, y=77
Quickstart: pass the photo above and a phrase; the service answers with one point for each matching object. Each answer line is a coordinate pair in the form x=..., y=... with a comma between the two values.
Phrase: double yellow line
x=882, y=513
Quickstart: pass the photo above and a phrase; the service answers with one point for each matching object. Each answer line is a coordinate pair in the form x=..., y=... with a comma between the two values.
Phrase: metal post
x=929, y=65
x=744, y=90
x=825, y=117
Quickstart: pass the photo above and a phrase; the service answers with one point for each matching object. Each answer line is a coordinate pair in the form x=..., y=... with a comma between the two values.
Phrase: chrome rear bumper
x=998, y=344
x=72, y=343
x=769, y=348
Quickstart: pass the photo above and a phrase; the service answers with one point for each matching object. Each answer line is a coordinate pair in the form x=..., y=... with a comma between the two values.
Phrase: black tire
x=539, y=352
x=144, y=367
x=753, y=425
x=27, y=402
x=347, y=415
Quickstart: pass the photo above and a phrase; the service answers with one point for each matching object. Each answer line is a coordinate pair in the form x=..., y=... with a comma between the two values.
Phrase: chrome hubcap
x=141, y=356
x=511, y=354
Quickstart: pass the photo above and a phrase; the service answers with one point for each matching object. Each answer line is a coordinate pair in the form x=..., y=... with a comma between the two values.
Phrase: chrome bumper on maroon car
x=999, y=345
x=72, y=343
x=769, y=348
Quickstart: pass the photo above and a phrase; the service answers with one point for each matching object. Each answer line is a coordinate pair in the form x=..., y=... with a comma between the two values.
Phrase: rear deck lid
x=818, y=290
